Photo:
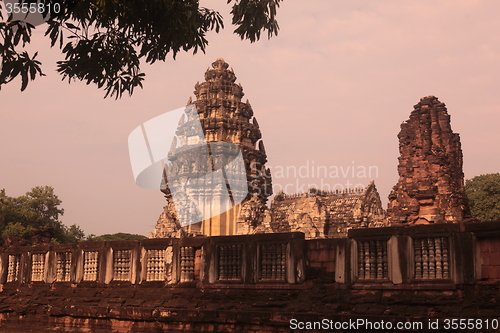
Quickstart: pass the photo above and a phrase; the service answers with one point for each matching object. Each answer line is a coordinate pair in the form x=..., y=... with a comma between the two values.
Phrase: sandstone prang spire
x=431, y=180
x=224, y=118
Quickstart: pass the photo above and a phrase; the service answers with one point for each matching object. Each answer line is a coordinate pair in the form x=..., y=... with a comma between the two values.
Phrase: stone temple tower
x=431, y=181
x=224, y=118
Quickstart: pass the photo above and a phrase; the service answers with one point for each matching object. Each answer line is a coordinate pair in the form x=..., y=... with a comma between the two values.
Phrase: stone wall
x=225, y=259
x=490, y=256
x=321, y=256
x=395, y=274
x=488, y=250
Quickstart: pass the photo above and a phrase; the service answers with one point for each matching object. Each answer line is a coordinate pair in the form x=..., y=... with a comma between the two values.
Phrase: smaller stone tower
x=431, y=181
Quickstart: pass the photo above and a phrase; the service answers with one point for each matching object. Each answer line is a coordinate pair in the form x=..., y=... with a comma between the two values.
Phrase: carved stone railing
x=38, y=266
x=231, y=259
x=155, y=267
x=373, y=259
x=63, y=273
x=121, y=265
x=426, y=255
x=187, y=264
x=272, y=261
x=90, y=265
x=14, y=267
x=230, y=262
x=260, y=258
x=431, y=258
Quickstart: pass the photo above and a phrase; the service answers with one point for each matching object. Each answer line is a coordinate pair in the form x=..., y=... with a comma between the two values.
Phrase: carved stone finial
x=173, y=145
x=255, y=122
x=261, y=147
x=182, y=120
x=220, y=64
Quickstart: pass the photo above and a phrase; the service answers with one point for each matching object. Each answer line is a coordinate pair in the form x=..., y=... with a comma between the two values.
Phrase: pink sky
x=330, y=90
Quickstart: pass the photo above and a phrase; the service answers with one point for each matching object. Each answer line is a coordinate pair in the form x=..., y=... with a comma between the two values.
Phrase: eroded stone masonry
x=431, y=181
x=326, y=214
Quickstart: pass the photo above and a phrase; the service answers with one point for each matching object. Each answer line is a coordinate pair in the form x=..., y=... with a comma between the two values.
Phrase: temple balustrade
x=245, y=259
x=427, y=256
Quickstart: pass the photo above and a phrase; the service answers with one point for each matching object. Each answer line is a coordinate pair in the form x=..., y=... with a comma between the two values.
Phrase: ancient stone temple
x=225, y=119
x=431, y=181
x=326, y=214
x=310, y=256
x=229, y=129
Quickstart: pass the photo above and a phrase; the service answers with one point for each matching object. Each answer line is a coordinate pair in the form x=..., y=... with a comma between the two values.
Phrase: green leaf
x=109, y=38
x=70, y=25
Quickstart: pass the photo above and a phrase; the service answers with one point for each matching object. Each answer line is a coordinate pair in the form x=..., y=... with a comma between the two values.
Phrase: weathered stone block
x=495, y=245
x=484, y=245
x=485, y=259
x=494, y=258
x=485, y=272
x=497, y=272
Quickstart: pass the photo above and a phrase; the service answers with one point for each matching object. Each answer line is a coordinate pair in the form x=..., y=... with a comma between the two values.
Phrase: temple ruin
x=431, y=180
x=430, y=188
x=225, y=118
x=327, y=214
x=309, y=256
